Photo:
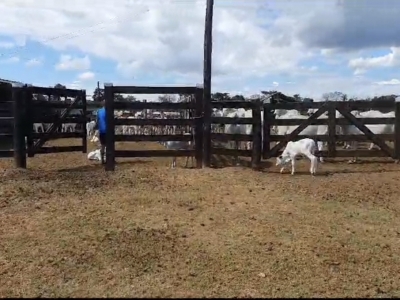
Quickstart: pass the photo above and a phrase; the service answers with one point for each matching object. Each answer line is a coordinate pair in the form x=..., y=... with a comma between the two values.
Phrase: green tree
x=238, y=98
x=98, y=95
x=220, y=97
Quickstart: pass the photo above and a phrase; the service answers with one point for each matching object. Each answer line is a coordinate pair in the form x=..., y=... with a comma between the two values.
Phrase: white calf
x=94, y=155
x=309, y=130
x=306, y=147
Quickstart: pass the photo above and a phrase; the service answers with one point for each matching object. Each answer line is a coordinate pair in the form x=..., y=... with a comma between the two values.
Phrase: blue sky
x=294, y=49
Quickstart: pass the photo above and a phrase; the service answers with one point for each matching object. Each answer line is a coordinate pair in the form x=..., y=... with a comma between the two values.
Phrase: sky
x=306, y=47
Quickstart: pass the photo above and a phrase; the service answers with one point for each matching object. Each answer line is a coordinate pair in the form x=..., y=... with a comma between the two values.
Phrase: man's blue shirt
x=101, y=119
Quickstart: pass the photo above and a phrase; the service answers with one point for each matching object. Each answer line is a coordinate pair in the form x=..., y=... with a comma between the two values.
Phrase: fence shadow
x=361, y=161
x=327, y=173
x=298, y=173
x=222, y=161
x=97, y=166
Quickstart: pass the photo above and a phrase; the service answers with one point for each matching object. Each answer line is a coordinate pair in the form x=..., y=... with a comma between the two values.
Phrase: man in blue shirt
x=101, y=124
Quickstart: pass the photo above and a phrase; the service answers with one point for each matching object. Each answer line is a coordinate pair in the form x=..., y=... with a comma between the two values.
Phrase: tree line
x=264, y=96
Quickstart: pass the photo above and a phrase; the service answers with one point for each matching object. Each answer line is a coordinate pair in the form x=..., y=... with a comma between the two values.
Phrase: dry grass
x=69, y=229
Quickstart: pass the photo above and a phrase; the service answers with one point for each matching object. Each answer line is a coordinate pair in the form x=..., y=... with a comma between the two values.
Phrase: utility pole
x=207, y=81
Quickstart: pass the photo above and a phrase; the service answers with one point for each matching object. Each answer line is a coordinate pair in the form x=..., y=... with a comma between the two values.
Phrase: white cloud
x=361, y=64
x=6, y=45
x=160, y=37
x=276, y=84
x=389, y=82
x=69, y=63
x=164, y=39
x=74, y=85
x=34, y=62
x=10, y=60
x=85, y=76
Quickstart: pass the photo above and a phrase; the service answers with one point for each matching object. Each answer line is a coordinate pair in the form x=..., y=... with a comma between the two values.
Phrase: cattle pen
x=70, y=229
x=206, y=143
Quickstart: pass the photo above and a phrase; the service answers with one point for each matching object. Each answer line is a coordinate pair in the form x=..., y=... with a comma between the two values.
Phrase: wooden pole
x=268, y=116
x=110, y=133
x=397, y=130
x=19, y=130
x=207, y=81
x=199, y=128
x=84, y=112
x=332, y=129
x=257, y=138
x=29, y=106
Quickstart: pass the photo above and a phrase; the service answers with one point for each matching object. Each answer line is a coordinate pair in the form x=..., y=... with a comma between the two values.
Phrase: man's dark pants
x=102, y=138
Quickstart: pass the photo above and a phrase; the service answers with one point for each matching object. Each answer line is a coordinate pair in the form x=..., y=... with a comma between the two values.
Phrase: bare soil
x=69, y=229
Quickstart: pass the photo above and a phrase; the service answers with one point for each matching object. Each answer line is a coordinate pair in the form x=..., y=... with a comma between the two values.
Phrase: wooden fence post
x=84, y=112
x=267, y=131
x=29, y=118
x=397, y=130
x=257, y=138
x=199, y=129
x=332, y=129
x=110, y=133
x=19, y=129
x=207, y=128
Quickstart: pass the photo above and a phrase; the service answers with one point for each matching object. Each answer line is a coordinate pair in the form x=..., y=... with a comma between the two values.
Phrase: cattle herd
x=245, y=129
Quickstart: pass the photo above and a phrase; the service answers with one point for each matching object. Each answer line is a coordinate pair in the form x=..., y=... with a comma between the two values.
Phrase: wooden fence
x=28, y=111
x=344, y=108
x=6, y=120
x=255, y=137
x=196, y=122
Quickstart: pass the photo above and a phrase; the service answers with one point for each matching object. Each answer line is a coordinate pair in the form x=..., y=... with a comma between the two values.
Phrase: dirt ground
x=69, y=229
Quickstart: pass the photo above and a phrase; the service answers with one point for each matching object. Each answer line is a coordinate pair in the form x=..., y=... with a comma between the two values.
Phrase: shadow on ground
x=98, y=166
x=221, y=161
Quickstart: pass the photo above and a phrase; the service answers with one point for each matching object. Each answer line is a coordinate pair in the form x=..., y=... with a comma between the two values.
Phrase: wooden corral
x=331, y=107
x=195, y=122
x=6, y=120
x=265, y=144
x=28, y=111
x=255, y=137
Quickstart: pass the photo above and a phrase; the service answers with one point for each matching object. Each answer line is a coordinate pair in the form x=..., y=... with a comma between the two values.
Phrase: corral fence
x=344, y=108
x=214, y=145
x=195, y=122
x=55, y=111
x=6, y=120
x=195, y=118
x=19, y=110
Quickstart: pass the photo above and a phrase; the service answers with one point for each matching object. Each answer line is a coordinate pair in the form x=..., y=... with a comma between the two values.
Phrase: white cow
x=374, y=128
x=90, y=128
x=38, y=127
x=306, y=147
x=68, y=127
